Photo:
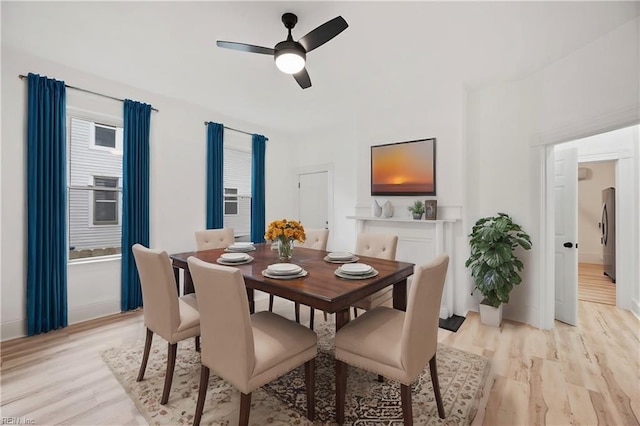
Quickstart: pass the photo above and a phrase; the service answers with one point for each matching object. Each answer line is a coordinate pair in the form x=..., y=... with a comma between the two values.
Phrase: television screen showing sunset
x=403, y=168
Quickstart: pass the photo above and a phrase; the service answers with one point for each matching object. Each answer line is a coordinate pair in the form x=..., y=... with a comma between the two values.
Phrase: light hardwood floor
x=583, y=375
x=594, y=286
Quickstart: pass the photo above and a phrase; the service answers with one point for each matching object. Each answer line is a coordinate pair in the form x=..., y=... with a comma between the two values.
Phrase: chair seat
x=376, y=299
x=373, y=342
x=280, y=345
x=189, y=318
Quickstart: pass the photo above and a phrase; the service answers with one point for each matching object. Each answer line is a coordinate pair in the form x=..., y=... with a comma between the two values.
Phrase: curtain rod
x=235, y=130
x=22, y=77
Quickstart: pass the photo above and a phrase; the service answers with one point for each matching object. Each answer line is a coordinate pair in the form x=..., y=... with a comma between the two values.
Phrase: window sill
x=99, y=259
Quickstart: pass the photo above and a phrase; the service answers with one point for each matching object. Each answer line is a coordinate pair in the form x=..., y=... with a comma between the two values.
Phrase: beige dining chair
x=247, y=351
x=210, y=239
x=315, y=239
x=382, y=246
x=396, y=344
x=171, y=317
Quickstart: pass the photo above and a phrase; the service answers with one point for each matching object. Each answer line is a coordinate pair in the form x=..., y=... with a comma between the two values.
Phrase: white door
x=566, y=234
x=313, y=200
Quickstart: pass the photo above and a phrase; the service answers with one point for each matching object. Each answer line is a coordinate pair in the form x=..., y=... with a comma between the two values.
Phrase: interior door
x=566, y=234
x=313, y=204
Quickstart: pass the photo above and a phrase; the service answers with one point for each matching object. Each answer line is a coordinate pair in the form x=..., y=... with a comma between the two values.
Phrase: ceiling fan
x=290, y=56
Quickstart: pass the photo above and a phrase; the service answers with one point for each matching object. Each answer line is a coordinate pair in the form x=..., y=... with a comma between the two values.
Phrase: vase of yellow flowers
x=285, y=232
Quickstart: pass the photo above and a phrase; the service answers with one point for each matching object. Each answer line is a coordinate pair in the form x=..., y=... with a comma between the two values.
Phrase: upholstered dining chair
x=382, y=246
x=247, y=351
x=396, y=344
x=171, y=317
x=315, y=239
x=209, y=239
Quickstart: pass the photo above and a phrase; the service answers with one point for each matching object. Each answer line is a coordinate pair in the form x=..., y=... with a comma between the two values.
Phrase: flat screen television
x=404, y=168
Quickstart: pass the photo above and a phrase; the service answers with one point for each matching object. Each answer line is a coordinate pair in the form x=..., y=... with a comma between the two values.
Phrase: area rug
x=283, y=401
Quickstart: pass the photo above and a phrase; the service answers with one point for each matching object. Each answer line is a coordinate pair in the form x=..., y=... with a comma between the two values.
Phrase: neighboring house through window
x=95, y=186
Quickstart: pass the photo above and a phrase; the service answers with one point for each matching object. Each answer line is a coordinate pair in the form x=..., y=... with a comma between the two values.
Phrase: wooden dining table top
x=320, y=288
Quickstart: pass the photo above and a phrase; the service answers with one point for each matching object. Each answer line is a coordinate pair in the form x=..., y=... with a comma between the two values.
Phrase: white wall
x=600, y=175
x=178, y=147
x=581, y=94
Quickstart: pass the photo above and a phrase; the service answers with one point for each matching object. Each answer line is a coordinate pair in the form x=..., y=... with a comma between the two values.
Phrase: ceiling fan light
x=289, y=61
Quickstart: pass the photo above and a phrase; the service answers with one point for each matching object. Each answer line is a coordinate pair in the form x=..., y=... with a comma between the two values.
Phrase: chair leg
x=297, y=310
x=325, y=315
x=312, y=313
x=202, y=394
x=171, y=364
x=407, y=411
x=436, y=385
x=245, y=406
x=341, y=389
x=355, y=312
x=197, y=343
x=380, y=378
x=271, y=303
x=145, y=356
x=310, y=378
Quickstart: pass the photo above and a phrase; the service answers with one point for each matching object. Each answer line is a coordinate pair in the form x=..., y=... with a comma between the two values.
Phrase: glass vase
x=285, y=250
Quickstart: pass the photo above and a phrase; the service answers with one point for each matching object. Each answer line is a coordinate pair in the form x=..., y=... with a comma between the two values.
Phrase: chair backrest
x=420, y=329
x=209, y=239
x=225, y=325
x=316, y=239
x=382, y=246
x=159, y=291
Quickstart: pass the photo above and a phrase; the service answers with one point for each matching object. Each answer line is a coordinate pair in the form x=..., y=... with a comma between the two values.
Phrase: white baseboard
x=595, y=258
x=93, y=310
x=13, y=329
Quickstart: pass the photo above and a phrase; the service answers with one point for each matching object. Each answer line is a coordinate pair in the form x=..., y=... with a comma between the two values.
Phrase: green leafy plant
x=417, y=207
x=494, y=266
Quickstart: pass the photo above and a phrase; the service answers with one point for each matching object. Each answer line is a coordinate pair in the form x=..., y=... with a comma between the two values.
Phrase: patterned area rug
x=283, y=401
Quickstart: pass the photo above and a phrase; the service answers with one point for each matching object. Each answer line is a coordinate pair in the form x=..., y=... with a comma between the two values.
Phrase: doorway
x=315, y=200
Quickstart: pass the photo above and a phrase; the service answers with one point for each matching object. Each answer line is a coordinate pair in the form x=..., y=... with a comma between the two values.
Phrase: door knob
x=568, y=245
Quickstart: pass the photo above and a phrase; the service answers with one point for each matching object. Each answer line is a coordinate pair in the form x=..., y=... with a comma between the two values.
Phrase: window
x=94, y=180
x=231, y=201
x=105, y=203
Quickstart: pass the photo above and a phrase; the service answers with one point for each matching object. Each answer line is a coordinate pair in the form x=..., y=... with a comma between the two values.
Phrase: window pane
x=106, y=136
x=105, y=212
x=231, y=208
x=106, y=182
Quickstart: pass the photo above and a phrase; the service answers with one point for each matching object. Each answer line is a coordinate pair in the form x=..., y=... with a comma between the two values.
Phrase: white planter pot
x=490, y=315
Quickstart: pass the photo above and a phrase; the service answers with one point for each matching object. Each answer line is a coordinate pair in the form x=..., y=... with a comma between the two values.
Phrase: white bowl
x=356, y=268
x=284, y=269
x=234, y=257
x=340, y=255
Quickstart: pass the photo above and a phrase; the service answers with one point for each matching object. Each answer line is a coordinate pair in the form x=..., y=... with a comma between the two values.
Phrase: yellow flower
x=285, y=230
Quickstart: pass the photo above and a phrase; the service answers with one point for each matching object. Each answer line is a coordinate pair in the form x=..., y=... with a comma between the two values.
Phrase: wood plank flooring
x=594, y=286
x=585, y=375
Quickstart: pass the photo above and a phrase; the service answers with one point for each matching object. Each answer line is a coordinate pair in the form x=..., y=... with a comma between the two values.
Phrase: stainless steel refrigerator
x=608, y=229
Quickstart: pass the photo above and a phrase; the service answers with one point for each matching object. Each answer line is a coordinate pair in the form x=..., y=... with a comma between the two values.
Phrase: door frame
x=625, y=214
x=319, y=168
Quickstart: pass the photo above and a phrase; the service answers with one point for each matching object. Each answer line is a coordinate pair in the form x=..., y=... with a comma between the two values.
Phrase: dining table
x=320, y=289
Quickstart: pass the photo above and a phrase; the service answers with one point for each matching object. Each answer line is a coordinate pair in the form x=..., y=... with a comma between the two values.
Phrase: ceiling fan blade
x=323, y=33
x=245, y=47
x=303, y=79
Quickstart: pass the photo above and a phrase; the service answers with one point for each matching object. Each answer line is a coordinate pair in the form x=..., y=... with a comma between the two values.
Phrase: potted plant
x=417, y=209
x=494, y=265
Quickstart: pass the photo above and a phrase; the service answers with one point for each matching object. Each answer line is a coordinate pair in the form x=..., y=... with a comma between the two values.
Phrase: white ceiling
x=390, y=52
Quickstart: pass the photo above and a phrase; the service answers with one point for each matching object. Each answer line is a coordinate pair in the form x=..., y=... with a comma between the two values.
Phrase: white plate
x=221, y=261
x=351, y=260
x=339, y=255
x=355, y=268
x=284, y=269
x=234, y=257
x=300, y=274
x=242, y=244
x=239, y=249
x=368, y=275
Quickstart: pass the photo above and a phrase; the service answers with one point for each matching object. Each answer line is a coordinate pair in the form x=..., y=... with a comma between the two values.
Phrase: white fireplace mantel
x=419, y=241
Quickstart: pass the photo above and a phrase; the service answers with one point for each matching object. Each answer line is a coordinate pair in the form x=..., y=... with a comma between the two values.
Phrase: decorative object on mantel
x=493, y=262
x=431, y=209
x=387, y=210
x=417, y=209
x=376, y=210
x=285, y=232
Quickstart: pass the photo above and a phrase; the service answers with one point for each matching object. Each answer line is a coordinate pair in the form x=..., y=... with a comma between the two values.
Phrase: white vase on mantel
x=490, y=315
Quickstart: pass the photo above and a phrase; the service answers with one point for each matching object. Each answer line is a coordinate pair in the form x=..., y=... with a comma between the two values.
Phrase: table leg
x=176, y=276
x=400, y=295
x=188, y=283
x=342, y=318
x=252, y=304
